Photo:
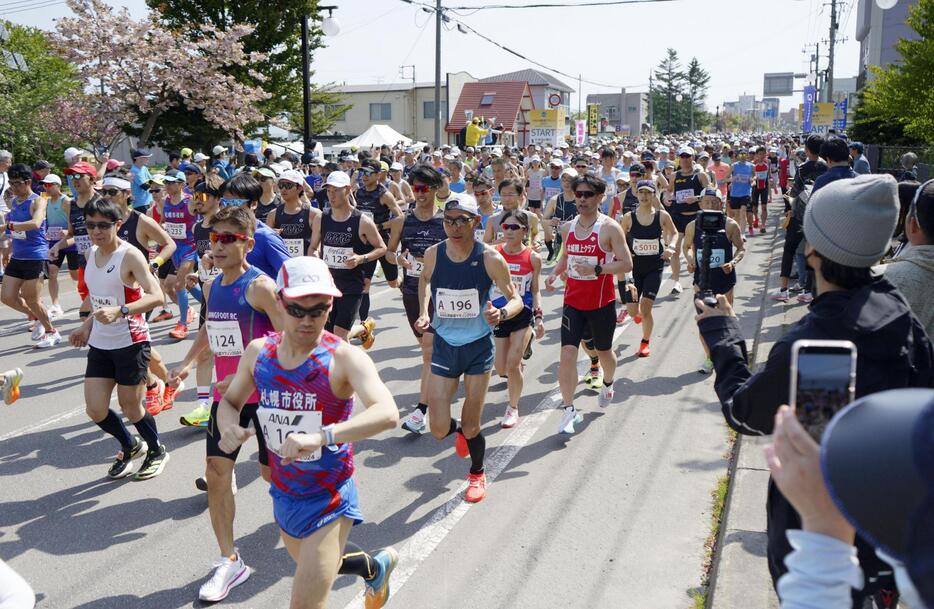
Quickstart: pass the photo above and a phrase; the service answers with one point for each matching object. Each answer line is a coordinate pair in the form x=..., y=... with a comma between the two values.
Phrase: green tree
x=900, y=100
x=27, y=90
x=696, y=79
x=277, y=35
x=669, y=83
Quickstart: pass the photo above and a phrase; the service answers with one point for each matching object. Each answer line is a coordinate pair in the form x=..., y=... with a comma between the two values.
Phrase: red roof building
x=509, y=101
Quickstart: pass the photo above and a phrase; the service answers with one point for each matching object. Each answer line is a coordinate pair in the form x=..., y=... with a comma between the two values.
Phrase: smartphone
x=823, y=381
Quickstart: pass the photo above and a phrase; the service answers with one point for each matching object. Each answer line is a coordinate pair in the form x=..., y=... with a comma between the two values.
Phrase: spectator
x=848, y=226
x=835, y=152
x=912, y=272
x=219, y=162
x=860, y=162
x=141, y=178
x=909, y=163
x=6, y=159
x=40, y=169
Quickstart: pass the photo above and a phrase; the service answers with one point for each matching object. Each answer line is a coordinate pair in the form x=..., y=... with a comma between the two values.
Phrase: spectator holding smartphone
x=848, y=225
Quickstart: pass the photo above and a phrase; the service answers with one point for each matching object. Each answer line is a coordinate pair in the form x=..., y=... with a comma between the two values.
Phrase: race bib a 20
x=277, y=424
x=717, y=257
x=457, y=304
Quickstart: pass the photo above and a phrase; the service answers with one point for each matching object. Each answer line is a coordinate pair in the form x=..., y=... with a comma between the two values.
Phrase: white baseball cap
x=218, y=150
x=685, y=150
x=71, y=153
x=52, y=179
x=305, y=276
x=338, y=178
x=292, y=175
x=199, y=156
x=397, y=166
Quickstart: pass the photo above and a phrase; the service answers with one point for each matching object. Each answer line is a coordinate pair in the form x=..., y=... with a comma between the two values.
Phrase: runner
x=179, y=220
x=511, y=192
x=560, y=209
x=513, y=336
x=81, y=176
x=760, y=191
x=608, y=173
x=166, y=272
x=651, y=236
x=740, y=202
x=306, y=379
x=402, y=187
x=590, y=295
x=420, y=228
x=269, y=250
x=270, y=200
x=26, y=223
x=456, y=278
x=56, y=213
x=721, y=172
x=347, y=239
x=534, y=184
x=727, y=248
x=482, y=189
x=685, y=192
x=118, y=336
x=241, y=307
x=293, y=219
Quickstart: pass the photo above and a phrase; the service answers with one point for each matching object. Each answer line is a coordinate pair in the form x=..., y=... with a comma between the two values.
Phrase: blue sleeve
x=269, y=253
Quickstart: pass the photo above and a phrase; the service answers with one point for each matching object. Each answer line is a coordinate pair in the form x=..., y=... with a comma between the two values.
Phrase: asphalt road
x=615, y=516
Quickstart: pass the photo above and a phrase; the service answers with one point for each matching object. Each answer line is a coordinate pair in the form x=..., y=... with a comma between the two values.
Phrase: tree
x=134, y=71
x=696, y=79
x=670, y=83
x=28, y=89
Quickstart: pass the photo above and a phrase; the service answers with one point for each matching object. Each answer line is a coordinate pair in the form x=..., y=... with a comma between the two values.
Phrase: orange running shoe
x=168, y=397
x=154, y=398
x=643, y=348
x=460, y=445
x=162, y=316
x=476, y=488
x=368, y=337
x=179, y=332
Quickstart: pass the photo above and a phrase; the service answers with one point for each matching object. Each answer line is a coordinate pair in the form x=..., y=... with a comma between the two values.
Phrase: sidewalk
x=740, y=576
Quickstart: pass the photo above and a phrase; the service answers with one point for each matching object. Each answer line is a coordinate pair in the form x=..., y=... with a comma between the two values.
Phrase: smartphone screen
x=824, y=385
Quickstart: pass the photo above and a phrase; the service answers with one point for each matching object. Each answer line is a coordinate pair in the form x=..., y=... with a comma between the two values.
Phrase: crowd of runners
x=279, y=255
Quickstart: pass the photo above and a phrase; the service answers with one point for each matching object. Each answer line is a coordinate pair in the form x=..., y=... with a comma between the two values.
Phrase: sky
x=736, y=41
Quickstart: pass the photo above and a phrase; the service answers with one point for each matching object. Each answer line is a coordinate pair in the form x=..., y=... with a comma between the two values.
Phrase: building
x=878, y=31
x=542, y=85
x=506, y=102
x=624, y=113
x=406, y=107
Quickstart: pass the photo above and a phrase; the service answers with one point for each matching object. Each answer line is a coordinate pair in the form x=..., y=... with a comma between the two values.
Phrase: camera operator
x=848, y=225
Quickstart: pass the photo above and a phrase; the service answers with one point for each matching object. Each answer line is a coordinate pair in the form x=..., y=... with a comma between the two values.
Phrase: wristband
x=9, y=226
x=537, y=313
x=328, y=431
x=158, y=261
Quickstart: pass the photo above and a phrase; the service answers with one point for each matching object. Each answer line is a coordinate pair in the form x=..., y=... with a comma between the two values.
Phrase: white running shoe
x=49, y=340
x=510, y=418
x=706, y=367
x=676, y=288
x=569, y=418
x=38, y=331
x=227, y=575
x=416, y=422
x=55, y=312
x=606, y=396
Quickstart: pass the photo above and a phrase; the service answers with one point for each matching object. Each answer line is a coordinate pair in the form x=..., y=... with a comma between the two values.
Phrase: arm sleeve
x=821, y=572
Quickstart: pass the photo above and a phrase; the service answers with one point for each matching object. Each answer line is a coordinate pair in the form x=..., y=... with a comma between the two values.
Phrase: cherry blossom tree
x=133, y=71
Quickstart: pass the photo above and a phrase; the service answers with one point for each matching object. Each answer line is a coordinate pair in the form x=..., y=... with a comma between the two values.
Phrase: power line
x=33, y=7
x=555, y=5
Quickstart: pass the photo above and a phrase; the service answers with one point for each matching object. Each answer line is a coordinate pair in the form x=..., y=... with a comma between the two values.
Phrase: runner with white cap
x=685, y=190
x=294, y=218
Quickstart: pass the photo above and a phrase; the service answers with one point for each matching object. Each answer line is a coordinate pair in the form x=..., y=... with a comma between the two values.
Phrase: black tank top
x=418, y=236
x=262, y=210
x=630, y=201
x=721, y=252
x=80, y=230
x=565, y=210
x=645, y=243
x=296, y=230
x=368, y=202
x=127, y=232
x=339, y=240
x=691, y=186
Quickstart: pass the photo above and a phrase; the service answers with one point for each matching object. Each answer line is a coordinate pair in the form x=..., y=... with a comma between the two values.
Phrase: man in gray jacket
x=912, y=272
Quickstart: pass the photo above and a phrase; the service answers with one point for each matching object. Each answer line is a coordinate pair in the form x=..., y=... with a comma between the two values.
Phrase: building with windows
x=542, y=87
x=625, y=113
x=507, y=103
x=878, y=31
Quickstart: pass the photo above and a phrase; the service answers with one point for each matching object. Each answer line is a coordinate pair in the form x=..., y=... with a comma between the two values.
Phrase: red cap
x=82, y=167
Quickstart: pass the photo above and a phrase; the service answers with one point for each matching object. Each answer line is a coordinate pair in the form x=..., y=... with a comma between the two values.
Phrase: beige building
x=406, y=107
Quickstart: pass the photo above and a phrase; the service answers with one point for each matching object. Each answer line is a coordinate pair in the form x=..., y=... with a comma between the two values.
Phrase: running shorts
x=127, y=365
x=301, y=517
x=247, y=415
x=601, y=322
x=473, y=358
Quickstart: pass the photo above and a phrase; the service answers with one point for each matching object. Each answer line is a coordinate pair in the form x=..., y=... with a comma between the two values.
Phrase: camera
x=709, y=223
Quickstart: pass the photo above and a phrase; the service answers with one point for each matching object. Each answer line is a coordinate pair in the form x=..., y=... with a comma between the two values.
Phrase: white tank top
x=108, y=290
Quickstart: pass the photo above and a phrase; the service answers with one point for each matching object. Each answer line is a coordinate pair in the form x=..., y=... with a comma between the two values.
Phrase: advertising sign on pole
x=580, y=132
x=807, y=110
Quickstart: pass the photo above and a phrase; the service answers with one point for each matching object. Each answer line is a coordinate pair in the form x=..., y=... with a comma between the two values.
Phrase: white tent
x=375, y=136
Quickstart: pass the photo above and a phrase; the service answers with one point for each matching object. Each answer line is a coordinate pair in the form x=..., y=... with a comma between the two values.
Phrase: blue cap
x=858, y=146
x=139, y=153
x=645, y=185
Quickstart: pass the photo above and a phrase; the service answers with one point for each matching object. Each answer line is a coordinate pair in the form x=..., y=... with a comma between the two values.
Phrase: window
x=487, y=99
x=380, y=112
x=611, y=112
x=331, y=108
x=632, y=109
x=428, y=108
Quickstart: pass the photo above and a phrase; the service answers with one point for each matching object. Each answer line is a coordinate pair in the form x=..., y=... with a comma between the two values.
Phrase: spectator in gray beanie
x=848, y=225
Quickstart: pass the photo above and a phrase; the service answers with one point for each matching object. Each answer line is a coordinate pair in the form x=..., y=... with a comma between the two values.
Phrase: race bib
x=295, y=247
x=574, y=260
x=205, y=274
x=336, y=257
x=762, y=175
x=225, y=338
x=176, y=230
x=18, y=234
x=520, y=282
x=646, y=247
x=535, y=183
x=457, y=304
x=277, y=424
x=717, y=257
x=479, y=233
x=83, y=243
x=54, y=233
x=99, y=302
x=418, y=264
x=366, y=213
x=681, y=196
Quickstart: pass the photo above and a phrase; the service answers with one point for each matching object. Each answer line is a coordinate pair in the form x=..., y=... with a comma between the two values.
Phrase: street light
x=886, y=4
x=331, y=27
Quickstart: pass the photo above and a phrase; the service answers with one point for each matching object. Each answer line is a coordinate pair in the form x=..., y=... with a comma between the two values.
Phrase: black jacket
x=806, y=174
x=893, y=351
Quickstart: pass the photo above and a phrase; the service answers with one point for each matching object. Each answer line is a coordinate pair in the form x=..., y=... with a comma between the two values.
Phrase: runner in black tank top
x=294, y=228
x=686, y=189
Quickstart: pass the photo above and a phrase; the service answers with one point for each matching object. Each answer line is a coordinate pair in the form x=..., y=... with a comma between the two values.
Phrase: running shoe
x=38, y=331
x=676, y=288
x=368, y=338
x=163, y=315
x=606, y=396
x=780, y=296
x=179, y=332
x=706, y=367
x=168, y=396
x=198, y=417
x=755, y=221
x=569, y=419
x=10, y=381
x=805, y=298
x=637, y=319
x=55, y=312
x=762, y=230
x=595, y=378
x=751, y=232
x=377, y=589
x=228, y=574
x=796, y=288
x=49, y=340
x=191, y=315
x=460, y=445
x=415, y=422
x=123, y=462
x=643, y=348
x=510, y=418
x=476, y=488
x=623, y=314
x=154, y=398
x=153, y=464
x=201, y=483
x=528, y=349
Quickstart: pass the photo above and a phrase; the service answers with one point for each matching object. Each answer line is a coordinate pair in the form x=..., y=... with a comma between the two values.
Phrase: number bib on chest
x=224, y=338
x=457, y=304
x=18, y=234
x=479, y=233
x=99, y=302
x=277, y=424
x=176, y=230
x=336, y=257
x=646, y=247
x=366, y=213
x=681, y=196
x=295, y=247
x=54, y=233
x=83, y=243
x=205, y=273
x=574, y=260
x=520, y=282
x=417, y=265
x=717, y=257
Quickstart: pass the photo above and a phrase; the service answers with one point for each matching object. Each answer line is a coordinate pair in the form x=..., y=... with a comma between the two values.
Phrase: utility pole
x=651, y=104
x=438, y=15
x=306, y=102
x=833, y=39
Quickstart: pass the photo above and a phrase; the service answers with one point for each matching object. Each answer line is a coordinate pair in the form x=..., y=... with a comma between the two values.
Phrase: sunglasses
x=584, y=194
x=287, y=185
x=512, y=226
x=685, y=156
x=482, y=193
x=99, y=225
x=580, y=167
x=110, y=192
x=458, y=221
x=367, y=171
x=233, y=202
x=421, y=188
x=301, y=312
x=227, y=238
x=155, y=191
x=49, y=185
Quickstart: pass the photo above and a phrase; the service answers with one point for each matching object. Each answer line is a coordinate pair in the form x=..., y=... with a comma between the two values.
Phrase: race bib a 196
x=278, y=423
x=457, y=304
